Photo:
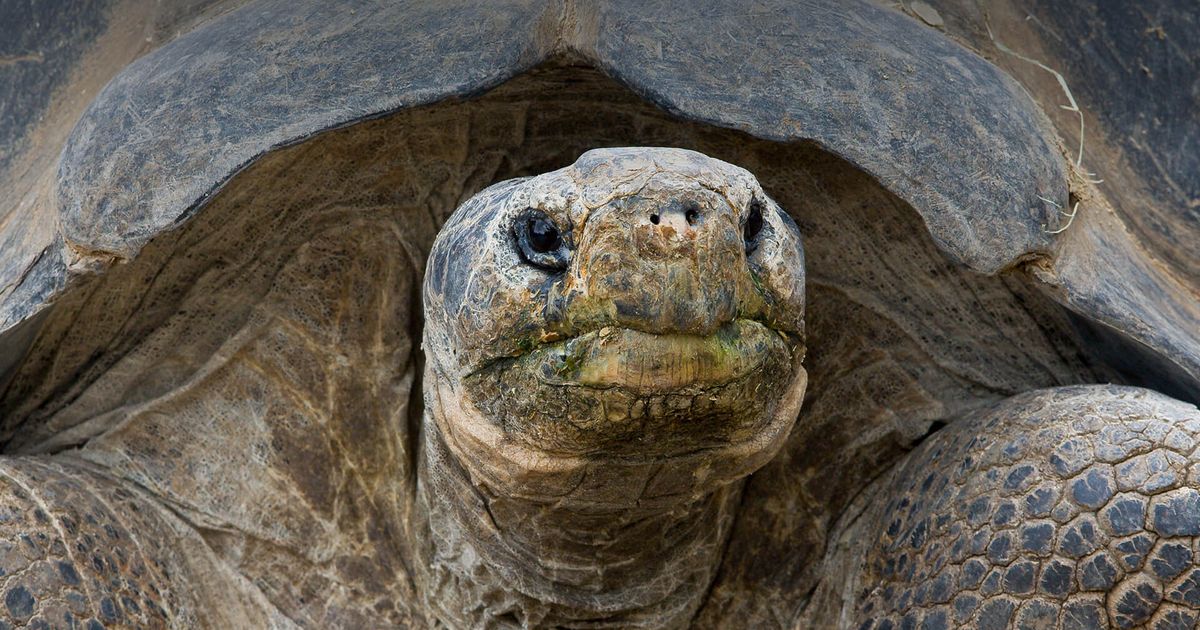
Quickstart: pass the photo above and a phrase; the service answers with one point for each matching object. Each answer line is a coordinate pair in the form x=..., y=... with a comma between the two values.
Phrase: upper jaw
x=648, y=363
x=617, y=392
x=645, y=362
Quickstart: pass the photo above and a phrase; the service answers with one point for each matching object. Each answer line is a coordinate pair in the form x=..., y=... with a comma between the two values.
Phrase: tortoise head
x=641, y=306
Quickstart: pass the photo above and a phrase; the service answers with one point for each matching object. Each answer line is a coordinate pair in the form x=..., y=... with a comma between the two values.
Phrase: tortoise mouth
x=626, y=393
x=650, y=363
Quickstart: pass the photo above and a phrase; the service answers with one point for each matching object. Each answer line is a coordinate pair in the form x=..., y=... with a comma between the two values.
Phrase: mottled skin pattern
x=586, y=433
x=264, y=517
x=587, y=425
x=1072, y=508
x=69, y=552
x=82, y=549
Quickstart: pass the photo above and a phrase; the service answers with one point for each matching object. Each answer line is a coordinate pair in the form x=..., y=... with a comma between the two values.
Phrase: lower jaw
x=678, y=462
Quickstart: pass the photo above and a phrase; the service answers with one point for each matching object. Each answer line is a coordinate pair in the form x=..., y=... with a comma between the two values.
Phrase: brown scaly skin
x=1073, y=508
x=82, y=549
x=581, y=452
x=587, y=424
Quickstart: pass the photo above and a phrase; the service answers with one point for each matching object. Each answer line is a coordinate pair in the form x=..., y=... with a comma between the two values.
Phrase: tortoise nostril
x=753, y=225
x=692, y=215
x=654, y=219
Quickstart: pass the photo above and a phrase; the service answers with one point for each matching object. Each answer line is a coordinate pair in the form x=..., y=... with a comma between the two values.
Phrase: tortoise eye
x=539, y=240
x=753, y=225
x=543, y=235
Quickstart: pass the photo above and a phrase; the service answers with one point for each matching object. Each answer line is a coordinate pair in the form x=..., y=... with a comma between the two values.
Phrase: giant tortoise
x=772, y=314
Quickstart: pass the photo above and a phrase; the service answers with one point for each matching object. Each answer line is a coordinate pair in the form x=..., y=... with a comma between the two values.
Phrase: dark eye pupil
x=543, y=236
x=754, y=222
x=538, y=241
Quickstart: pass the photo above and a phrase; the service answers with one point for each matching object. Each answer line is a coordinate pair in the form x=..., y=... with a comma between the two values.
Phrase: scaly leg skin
x=1075, y=507
x=79, y=549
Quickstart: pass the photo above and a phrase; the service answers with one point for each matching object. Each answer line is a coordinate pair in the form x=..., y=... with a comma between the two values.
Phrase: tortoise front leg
x=1075, y=507
x=81, y=549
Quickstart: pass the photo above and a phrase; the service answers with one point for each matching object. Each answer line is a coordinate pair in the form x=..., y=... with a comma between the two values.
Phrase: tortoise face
x=641, y=303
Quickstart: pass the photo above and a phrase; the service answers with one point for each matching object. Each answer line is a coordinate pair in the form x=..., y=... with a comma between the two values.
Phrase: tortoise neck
x=492, y=559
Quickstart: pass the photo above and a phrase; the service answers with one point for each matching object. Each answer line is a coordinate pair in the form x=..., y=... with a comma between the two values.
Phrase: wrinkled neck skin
x=522, y=538
x=611, y=348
